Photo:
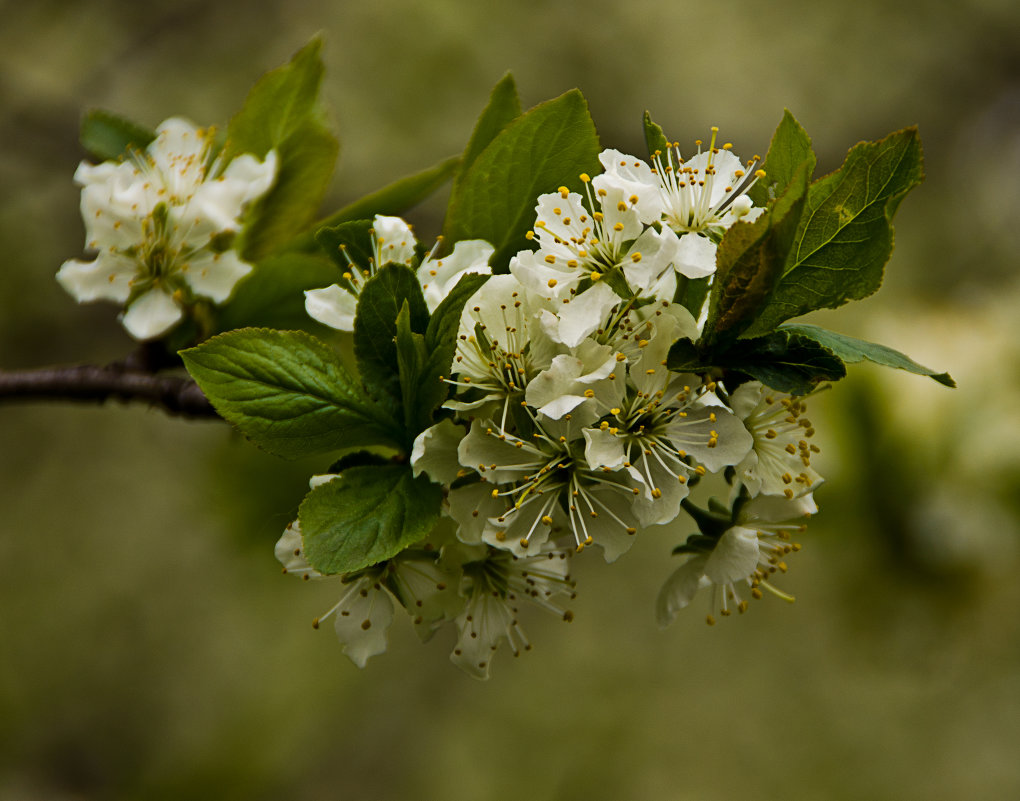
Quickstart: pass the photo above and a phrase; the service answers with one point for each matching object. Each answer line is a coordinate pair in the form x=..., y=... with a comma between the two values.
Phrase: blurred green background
x=149, y=647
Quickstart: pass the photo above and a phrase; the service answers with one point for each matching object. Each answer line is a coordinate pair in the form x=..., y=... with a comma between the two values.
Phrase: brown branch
x=87, y=383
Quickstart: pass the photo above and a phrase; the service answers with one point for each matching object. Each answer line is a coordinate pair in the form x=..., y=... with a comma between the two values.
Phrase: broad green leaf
x=375, y=324
x=548, y=147
x=853, y=350
x=790, y=148
x=845, y=235
x=654, y=137
x=785, y=361
x=272, y=296
x=503, y=108
x=750, y=260
x=107, y=136
x=283, y=113
x=288, y=392
x=366, y=515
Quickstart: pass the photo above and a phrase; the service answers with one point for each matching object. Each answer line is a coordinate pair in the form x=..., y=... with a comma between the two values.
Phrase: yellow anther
x=552, y=282
x=759, y=173
x=585, y=177
x=635, y=257
x=618, y=227
x=614, y=410
x=595, y=276
x=550, y=259
x=564, y=192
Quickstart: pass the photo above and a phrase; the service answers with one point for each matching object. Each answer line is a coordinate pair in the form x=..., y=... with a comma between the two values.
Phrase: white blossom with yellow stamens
x=393, y=241
x=161, y=221
x=698, y=198
x=747, y=554
x=779, y=462
x=494, y=585
x=578, y=245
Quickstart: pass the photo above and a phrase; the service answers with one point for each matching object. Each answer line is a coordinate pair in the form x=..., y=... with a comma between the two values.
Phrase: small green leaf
x=691, y=293
x=503, y=108
x=305, y=167
x=548, y=147
x=790, y=148
x=784, y=361
x=654, y=137
x=272, y=296
x=845, y=235
x=353, y=238
x=279, y=104
x=107, y=136
x=853, y=350
x=750, y=261
x=375, y=324
x=395, y=198
x=283, y=113
x=441, y=345
x=411, y=361
x=366, y=515
x=288, y=392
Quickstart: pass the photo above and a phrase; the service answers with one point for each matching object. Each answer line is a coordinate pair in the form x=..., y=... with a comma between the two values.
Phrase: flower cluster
x=162, y=222
x=565, y=427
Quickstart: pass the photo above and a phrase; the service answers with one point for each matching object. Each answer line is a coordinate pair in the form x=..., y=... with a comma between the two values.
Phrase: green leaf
x=411, y=360
x=790, y=148
x=288, y=392
x=283, y=113
x=750, y=261
x=305, y=167
x=784, y=361
x=107, y=136
x=845, y=235
x=395, y=198
x=548, y=147
x=353, y=238
x=654, y=137
x=272, y=296
x=691, y=293
x=279, y=104
x=441, y=345
x=375, y=324
x=503, y=108
x=853, y=350
x=366, y=515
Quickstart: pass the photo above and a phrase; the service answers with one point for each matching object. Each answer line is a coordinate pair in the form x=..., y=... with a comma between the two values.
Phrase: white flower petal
x=735, y=557
x=695, y=256
x=363, y=619
x=680, y=588
x=214, y=275
x=333, y=306
x=435, y=452
x=152, y=314
x=108, y=277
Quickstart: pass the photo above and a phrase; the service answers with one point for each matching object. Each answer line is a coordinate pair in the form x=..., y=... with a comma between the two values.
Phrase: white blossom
x=698, y=198
x=161, y=222
x=393, y=241
x=748, y=553
x=779, y=462
x=494, y=585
